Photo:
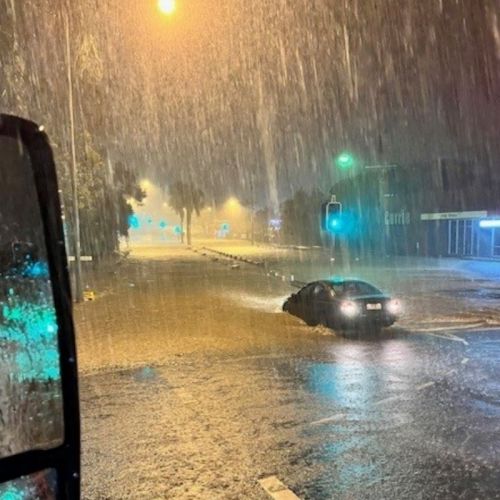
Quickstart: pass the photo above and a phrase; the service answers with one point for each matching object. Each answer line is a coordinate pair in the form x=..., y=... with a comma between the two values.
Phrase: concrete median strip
x=276, y=489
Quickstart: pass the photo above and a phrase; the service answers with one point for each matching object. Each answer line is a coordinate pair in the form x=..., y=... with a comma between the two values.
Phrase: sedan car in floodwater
x=343, y=304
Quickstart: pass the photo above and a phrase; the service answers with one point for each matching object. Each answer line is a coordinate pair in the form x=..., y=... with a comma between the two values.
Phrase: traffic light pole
x=332, y=238
x=332, y=253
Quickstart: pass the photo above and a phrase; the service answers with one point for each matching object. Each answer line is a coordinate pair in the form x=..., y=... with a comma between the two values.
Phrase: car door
x=39, y=415
x=305, y=302
x=320, y=300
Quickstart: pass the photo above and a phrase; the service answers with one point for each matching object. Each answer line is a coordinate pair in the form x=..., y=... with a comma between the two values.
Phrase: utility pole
x=252, y=211
x=74, y=180
x=333, y=239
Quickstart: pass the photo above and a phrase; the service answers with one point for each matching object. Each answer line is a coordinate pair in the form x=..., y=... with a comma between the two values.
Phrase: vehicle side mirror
x=39, y=414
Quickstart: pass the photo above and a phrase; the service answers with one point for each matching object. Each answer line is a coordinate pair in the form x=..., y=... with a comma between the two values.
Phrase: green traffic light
x=344, y=160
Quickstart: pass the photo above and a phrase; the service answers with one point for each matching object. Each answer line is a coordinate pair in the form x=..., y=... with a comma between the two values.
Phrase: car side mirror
x=39, y=414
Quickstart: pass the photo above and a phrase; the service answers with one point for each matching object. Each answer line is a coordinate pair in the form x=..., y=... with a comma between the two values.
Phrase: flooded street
x=202, y=396
x=275, y=227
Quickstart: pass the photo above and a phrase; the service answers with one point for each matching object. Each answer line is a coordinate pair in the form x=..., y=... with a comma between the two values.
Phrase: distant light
x=489, y=223
x=233, y=205
x=133, y=221
x=177, y=229
x=166, y=6
x=163, y=224
x=344, y=160
x=275, y=223
x=225, y=227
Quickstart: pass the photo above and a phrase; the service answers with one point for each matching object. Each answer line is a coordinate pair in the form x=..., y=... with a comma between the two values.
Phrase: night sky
x=231, y=93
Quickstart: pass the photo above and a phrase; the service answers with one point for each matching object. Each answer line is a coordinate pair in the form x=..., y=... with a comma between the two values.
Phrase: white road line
x=386, y=400
x=333, y=418
x=448, y=328
x=446, y=337
x=423, y=386
x=465, y=361
x=276, y=489
x=458, y=339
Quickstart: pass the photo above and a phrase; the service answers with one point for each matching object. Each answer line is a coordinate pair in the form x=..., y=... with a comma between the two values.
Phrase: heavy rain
x=282, y=223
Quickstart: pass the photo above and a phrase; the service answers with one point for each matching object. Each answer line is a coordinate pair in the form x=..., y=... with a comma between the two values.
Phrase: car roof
x=337, y=281
x=343, y=281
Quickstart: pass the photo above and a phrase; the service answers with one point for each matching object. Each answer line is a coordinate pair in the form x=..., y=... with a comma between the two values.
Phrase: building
x=441, y=209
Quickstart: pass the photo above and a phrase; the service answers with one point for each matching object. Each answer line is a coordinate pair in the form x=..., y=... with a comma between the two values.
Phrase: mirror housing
x=64, y=458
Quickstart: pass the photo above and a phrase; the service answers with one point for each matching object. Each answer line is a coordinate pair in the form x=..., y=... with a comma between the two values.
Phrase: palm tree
x=185, y=199
x=176, y=201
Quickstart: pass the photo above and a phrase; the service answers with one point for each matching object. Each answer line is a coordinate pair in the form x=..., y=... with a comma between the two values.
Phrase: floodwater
x=204, y=401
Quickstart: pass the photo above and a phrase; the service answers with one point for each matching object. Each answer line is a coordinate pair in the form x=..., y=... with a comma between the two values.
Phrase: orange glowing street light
x=166, y=6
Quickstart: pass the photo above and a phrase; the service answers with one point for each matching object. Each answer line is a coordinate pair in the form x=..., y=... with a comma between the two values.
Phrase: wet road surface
x=200, y=395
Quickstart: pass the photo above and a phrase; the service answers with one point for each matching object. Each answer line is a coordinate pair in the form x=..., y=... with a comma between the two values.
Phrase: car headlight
x=349, y=308
x=393, y=306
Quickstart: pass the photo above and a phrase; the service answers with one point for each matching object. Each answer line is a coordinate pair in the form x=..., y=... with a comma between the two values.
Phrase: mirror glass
x=30, y=382
x=40, y=485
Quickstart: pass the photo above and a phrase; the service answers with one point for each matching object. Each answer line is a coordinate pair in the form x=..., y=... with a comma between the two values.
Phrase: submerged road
x=195, y=385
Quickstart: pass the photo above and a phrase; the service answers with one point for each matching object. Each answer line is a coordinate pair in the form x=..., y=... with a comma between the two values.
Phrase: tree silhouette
x=185, y=199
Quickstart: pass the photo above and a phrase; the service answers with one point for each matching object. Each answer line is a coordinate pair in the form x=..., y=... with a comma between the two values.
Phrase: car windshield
x=216, y=156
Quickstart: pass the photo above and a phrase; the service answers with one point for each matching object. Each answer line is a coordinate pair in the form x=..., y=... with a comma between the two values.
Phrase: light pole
x=252, y=210
x=74, y=179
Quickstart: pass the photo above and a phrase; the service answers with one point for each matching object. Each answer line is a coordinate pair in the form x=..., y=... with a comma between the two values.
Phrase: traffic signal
x=331, y=216
x=345, y=160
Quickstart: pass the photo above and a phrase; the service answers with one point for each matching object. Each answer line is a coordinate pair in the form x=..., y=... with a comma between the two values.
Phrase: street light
x=233, y=205
x=74, y=172
x=166, y=6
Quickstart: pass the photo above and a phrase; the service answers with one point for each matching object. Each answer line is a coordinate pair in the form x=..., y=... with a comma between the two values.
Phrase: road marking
x=276, y=489
x=333, y=418
x=391, y=398
x=423, y=386
x=458, y=339
x=446, y=337
x=465, y=361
